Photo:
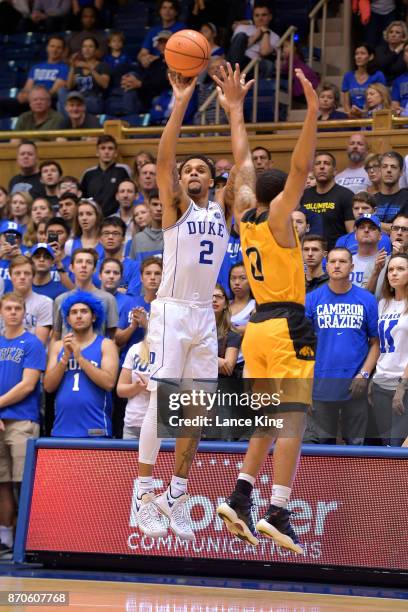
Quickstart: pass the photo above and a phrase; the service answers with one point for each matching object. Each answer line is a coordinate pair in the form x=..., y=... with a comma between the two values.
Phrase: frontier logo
x=309, y=520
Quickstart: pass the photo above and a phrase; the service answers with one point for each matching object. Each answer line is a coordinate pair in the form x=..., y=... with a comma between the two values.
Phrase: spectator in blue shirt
x=44, y=282
x=52, y=74
x=345, y=321
x=82, y=369
x=233, y=256
x=169, y=11
x=399, y=91
x=133, y=317
x=22, y=359
x=363, y=204
x=132, y=326
x=116, y=56
x=357, y=81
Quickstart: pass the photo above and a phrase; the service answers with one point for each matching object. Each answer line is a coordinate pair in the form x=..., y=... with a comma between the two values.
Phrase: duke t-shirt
x=16, y=354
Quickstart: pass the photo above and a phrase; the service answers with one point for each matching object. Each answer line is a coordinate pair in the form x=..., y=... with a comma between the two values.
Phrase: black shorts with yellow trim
x=279, y=350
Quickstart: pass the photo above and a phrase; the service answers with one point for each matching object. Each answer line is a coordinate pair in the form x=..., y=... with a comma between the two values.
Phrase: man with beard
x=355, y=177
x=333, y=203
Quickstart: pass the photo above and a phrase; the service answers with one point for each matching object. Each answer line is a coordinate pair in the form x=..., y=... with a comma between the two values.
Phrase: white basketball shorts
x=182, y=340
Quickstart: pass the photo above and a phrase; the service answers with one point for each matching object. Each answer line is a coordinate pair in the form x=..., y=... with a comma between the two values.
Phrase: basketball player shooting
x=278, y=345
x=182, y=334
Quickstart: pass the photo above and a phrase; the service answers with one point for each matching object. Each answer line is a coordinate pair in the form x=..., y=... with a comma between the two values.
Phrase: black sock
x=243, y=487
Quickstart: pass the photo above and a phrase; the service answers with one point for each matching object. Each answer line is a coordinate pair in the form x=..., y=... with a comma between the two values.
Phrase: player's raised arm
x=302, y=157
x=232, y=90
x=172, y=195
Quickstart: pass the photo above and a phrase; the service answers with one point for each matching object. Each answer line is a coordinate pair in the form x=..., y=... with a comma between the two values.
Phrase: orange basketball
x=187, y=52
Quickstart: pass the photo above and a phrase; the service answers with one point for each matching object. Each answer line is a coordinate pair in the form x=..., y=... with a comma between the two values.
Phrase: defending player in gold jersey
x=279, y=342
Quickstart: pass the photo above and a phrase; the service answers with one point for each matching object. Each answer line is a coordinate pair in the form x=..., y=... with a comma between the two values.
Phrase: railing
x=320, y=66
x=382, y=121
x=254, y=63
x=281, y=96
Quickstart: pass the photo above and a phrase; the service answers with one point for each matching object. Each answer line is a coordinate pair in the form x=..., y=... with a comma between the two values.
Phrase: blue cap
x=368, y=217
x=42, y=245
x=11, y=226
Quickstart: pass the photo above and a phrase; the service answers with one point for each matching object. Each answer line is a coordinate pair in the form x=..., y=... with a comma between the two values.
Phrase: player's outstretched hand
x=183, y=87
x=231, y=87
x=310, y=94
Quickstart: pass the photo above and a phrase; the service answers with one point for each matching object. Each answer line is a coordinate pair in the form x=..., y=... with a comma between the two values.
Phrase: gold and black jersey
x=275, y=273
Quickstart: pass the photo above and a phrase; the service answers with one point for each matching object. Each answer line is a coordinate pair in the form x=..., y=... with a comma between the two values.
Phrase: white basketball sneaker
x=149, y=520
x=177, y=512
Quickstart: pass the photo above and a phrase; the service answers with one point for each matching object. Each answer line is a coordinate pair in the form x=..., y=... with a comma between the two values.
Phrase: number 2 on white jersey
x=208, y=249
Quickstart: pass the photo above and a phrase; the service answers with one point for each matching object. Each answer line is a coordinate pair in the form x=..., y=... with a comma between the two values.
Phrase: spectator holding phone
x=10, y=246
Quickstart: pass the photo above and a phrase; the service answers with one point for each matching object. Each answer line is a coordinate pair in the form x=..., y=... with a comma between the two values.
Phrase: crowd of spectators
x=80, y=263
x=90, y=75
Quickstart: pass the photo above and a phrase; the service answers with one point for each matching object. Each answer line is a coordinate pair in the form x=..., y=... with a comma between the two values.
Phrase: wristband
x=365, y=374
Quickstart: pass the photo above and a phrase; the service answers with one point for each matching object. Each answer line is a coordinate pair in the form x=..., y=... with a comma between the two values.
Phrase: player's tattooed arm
x=244, y=197
x=227, y=194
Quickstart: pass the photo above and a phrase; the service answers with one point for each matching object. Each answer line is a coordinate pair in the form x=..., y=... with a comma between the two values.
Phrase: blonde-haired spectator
x=388, y=55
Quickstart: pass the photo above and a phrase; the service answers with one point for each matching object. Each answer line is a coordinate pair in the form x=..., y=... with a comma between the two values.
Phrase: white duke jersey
x=194, y=249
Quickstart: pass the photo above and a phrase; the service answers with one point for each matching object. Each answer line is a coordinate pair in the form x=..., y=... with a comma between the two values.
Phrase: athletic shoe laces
x=180, y=514
x=150, y=515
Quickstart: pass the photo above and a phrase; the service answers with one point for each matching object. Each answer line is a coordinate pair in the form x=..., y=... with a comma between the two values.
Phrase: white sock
x=280, y=496
x=6, y=535
x=177, y=486
x=144, y=485
x=247, y=477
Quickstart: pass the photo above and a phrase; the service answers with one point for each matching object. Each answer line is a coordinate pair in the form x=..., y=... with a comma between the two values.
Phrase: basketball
x=187, y=52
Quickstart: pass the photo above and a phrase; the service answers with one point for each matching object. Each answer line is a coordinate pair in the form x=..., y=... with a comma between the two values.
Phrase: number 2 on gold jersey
x=255, y=260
